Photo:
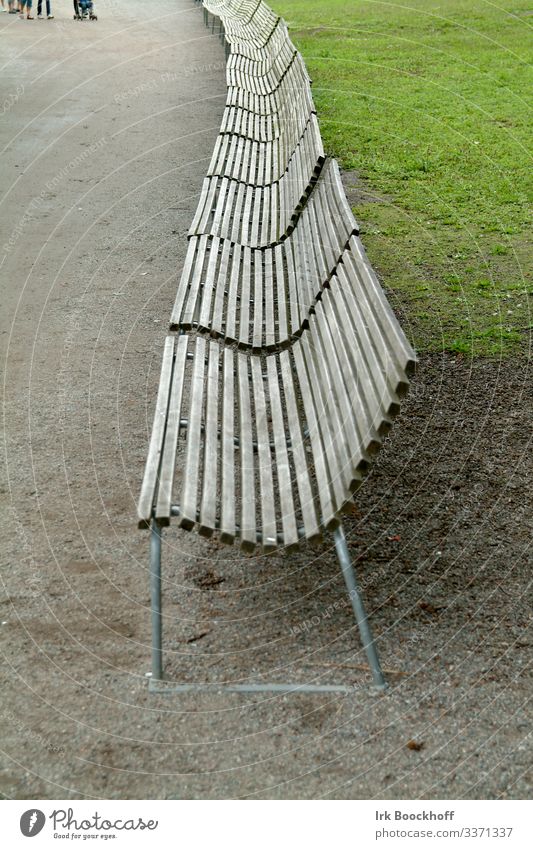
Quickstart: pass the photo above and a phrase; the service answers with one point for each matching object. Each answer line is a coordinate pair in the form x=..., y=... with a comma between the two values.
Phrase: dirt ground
x=107, y=135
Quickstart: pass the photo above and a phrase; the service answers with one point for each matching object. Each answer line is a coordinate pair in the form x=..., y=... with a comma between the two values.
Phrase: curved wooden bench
x=287, y=364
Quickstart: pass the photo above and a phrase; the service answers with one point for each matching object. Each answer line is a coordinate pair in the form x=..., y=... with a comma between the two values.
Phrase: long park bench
x=285, y=364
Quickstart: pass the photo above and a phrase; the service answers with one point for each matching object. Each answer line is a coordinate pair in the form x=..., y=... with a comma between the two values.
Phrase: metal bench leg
x=358, y=607
x=155, y=595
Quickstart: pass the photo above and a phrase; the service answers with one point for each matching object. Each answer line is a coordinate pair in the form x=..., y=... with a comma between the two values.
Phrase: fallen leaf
x=415, y=746
x=197, y=637
x=427, y=607
x=209, y=579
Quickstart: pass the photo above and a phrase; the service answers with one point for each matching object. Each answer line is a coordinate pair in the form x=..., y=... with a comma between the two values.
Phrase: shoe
x=40, y=17
x=29, y=17
x=50, y=17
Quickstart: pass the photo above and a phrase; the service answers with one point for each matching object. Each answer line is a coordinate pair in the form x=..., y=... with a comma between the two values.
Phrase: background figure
x=25, y=4
x=48, y=9
x=85, y=7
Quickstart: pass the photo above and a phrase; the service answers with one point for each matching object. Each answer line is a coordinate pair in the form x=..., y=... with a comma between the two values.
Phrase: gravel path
x=107, y=135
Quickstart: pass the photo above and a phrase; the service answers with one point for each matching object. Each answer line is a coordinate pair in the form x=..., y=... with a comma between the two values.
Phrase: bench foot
x=168, y=687
x=358, y=608
x=155, y=597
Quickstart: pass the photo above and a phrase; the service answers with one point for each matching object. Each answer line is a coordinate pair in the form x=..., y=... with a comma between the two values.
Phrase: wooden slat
x=232, y=222
x=303, y=478
x=227, y=516
x=204, y=320
x=326, y=413
x=210, y=477
x=206, y=185
x=156, y=440
x=231, y=312
x=259, y=318
x=293, y=288
x=281, y=335
x=244, y=304
x=248, y=523
x=217, y=326
x=322, y=272
x=185, y=281
x=168, y=462
x=268, y=288
x=288, y=517
x=266, y=484
x=188, y=506
x=327, y=506
x=187, y=317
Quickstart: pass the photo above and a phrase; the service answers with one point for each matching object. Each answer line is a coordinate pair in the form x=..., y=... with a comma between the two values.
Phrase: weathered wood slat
x=282, y=300
x=217, y=327
x=208, y=504
x=248, y=531
x=204, y=320
x=259, y=282
x=266, y=484
x=244, y=303
x=268, y=333
x=309, y=511
x=327, y=506
x=231, y=313
x=326, y=417
x=227, y=518
x=155, y=449
x=288, y=515
x=173, y=417
x=192, y=477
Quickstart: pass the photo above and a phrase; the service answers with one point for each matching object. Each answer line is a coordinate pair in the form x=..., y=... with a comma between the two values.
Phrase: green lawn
x=428, y=101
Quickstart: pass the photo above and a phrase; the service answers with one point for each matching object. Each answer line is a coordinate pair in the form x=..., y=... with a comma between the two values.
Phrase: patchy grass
x=427, y=105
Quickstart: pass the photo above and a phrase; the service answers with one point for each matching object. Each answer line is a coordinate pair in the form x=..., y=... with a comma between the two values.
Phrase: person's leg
x=28, y=10
x=49, y=9
x=39, y=8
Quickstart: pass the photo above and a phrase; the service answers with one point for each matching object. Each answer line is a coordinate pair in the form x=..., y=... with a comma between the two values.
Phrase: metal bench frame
x=157, y=680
